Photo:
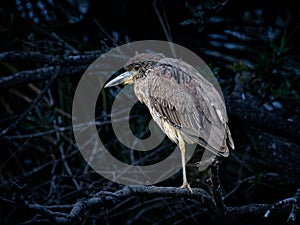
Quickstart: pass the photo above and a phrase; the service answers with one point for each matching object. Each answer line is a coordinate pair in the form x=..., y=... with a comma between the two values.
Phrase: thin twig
x=293, y=202
x=33, y=104
x=165, y=26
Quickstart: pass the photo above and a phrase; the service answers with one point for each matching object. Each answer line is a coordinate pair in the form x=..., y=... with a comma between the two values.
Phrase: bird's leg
x=182, y=150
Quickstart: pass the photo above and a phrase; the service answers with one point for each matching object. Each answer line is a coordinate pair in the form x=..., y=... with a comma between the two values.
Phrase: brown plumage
x=181, y=101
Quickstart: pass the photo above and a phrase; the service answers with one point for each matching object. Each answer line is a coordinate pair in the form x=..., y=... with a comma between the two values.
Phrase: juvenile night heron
x=181, y=101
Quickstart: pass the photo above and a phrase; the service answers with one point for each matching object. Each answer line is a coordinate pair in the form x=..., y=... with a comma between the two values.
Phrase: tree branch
x=235, y=215
x=28, y=76
x=70, y=65
x=37, y=57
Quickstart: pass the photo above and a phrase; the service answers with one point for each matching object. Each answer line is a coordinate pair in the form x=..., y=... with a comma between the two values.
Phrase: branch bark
x=45, y=73
x=36, y=57
x=235, y=215
x=70, y=65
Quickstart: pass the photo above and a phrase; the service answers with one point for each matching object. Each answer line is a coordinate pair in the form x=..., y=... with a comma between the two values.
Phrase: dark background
x=253, y=49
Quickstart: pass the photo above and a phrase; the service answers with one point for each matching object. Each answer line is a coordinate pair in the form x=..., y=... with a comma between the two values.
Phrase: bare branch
x=37, y=57
x=39, y=74
x=58, y=214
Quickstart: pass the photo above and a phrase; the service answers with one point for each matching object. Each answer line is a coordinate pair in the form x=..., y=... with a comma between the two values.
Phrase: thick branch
x=28, y=76
x=36, y=57
x=70, y=65
x=235, y=215
x=104, y=198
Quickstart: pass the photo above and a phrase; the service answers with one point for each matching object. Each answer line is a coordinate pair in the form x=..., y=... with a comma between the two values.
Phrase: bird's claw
x=186, y=185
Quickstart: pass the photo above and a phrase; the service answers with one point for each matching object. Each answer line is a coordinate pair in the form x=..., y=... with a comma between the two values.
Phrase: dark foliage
x=46, y=45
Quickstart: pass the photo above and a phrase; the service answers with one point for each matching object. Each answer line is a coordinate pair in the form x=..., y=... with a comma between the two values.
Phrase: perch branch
x=58, y=214
x=105, y=198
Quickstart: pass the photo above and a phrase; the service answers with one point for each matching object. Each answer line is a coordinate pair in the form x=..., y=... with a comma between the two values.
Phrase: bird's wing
x=189, y=107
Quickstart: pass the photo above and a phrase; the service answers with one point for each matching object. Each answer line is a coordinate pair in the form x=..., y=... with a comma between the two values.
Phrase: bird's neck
x=141, y=90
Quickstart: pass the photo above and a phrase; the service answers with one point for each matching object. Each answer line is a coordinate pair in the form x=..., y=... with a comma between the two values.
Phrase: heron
x=184, y=104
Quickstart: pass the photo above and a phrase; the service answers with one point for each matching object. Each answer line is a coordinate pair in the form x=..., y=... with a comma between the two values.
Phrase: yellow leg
x=182, y=150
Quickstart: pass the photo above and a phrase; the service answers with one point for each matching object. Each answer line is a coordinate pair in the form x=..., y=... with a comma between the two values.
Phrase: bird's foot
x=186, y=185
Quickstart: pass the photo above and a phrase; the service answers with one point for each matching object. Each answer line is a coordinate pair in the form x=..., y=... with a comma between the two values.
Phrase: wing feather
x=189, y=103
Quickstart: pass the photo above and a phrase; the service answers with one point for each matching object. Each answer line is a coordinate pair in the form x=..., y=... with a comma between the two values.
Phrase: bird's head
x=137, y=67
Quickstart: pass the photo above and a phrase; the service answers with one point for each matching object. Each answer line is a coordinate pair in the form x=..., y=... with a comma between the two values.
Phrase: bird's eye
x=136, y=67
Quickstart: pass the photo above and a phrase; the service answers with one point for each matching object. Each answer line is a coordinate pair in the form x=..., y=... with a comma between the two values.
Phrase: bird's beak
x=123, y=78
